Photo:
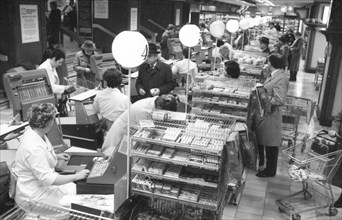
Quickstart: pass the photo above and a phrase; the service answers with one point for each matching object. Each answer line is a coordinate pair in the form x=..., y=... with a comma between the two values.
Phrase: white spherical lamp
x=244, y=24
x=217, y=28
x=130, y=49
x=232, y=26
x=189, y=35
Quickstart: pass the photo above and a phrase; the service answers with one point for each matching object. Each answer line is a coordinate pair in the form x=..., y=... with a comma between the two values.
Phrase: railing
x=150, y=33
x=71, y=34
x=105, y=30
x=156, y=24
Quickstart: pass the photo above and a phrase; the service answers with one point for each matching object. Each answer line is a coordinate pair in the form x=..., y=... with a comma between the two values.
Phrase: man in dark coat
x=155, y=78
x=54, y=22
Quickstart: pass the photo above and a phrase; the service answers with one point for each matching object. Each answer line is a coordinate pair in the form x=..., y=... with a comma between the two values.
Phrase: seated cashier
x=35, y=161
x=232, y=69
x=110, y=103
x=140, y=110
x=182, y=66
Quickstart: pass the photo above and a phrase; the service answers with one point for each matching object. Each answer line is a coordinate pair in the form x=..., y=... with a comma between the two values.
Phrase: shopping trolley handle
x=323, y=131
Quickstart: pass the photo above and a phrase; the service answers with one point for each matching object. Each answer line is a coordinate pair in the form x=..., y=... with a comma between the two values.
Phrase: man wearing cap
x=155, y=77
x=85, y=77
x=264, y=41
x=168, y=33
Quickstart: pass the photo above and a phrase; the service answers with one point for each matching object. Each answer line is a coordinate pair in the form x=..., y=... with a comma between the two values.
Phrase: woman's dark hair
x=232, y=68
x=40, y=115
x=219, y=43
x=185, y=52
x=166, y=102
x=113, y=77
x=282, y=39
x=276, y=61
x=58, y=54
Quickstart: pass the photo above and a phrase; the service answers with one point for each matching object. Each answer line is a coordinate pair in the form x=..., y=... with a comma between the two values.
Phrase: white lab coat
x=35, y=161
x=53, y=76
x=140, y=110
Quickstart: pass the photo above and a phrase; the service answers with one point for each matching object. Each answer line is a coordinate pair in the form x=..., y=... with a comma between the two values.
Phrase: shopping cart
x=315, y=168
x=297, y=114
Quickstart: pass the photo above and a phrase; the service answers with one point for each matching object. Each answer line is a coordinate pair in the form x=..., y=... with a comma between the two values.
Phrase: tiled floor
x=259, y=195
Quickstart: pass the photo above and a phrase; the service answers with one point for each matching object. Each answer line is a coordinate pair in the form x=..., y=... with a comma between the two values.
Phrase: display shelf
x=211, y=92
x=175, y=199
x=163, y=177
x=222, y=115
x=195, y=148
x=182, y=158
x=198, y=100
x=135, y=153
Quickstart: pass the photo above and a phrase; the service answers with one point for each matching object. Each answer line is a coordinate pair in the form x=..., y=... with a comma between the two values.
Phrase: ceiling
x=294, y=3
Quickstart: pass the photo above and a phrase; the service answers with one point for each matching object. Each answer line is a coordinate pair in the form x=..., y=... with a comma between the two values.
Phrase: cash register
x=105, y=172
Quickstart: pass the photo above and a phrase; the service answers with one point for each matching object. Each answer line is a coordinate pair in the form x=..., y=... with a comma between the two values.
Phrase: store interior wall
x=20, y=54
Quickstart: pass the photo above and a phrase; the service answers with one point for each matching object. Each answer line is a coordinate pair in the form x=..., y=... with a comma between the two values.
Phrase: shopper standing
x=263, y=44
x=168, y=33
x=295, y=49
x=85, y=77
x=35, y=162
x=284, y=51
x=54, y=22
x=336, y=129
x=155, y=77
x=268, y=130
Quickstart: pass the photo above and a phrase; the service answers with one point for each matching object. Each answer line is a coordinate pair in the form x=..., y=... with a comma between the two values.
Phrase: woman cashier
x=35, y=162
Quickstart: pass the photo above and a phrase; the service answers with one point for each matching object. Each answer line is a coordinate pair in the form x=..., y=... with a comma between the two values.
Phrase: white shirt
x=182, y=67
x=140, y=110
x=110, y=103
x=53, y=77
x=35, y=161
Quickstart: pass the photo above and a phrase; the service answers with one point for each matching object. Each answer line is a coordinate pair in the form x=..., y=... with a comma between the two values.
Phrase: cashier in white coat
x=56, y=59
x=35, y=162
x=140, y=110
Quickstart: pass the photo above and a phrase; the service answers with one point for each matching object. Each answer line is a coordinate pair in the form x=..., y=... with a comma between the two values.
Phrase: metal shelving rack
x=223, y=103
x=142, y=145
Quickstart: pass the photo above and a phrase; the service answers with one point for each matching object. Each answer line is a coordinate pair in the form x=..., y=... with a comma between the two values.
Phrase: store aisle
x=259, y=195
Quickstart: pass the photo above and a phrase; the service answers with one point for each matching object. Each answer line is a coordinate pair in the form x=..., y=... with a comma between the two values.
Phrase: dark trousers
x=271, y=158
x=293, y=75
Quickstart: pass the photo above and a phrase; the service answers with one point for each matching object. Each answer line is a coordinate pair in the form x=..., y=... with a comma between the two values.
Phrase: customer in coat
x=268, y=130
x=140, y=110
x=295, y=49
x=155, y=77
x=85, y=77
x=110, y=102
x=170, y=32
x=35, y=161
x=284, y=51
x=336, y=131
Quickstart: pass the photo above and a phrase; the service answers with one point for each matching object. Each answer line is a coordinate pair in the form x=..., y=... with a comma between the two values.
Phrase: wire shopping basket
x=315, y=167
x=297, y=114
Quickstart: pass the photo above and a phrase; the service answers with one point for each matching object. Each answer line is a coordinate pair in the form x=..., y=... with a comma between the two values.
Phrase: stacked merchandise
x=225, y=98
x=183, y=166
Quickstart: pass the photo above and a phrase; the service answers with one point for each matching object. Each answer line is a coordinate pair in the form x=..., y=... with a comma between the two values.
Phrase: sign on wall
x=101, y=9
x=85, y=19
x=29, y=23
